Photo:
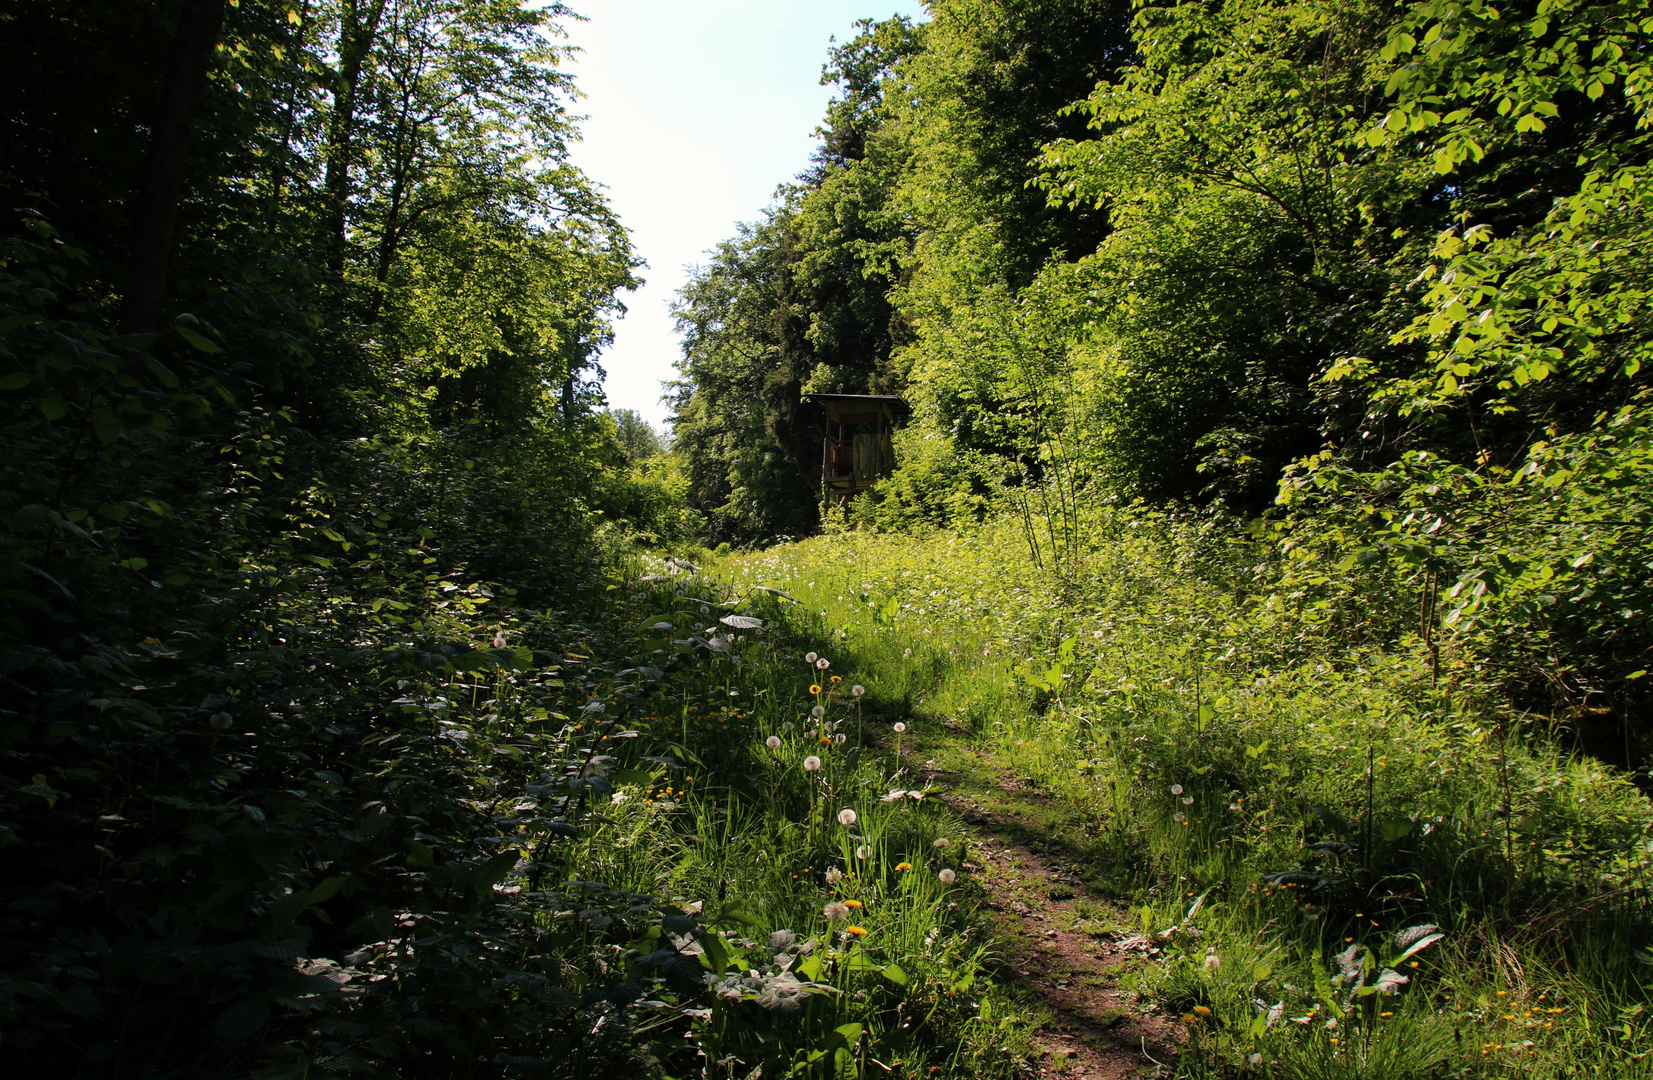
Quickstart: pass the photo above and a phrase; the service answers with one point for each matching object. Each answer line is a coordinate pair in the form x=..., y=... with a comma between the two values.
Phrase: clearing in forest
x=1209, y=836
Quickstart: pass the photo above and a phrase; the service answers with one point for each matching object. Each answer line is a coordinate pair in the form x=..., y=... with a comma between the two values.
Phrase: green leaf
x=419, y=854
x=80, y=1001
x=205, y=344
x=168, y=379
x=53, y=408
x=326, y=890
x=242, y=1019
x=17, y=380
x=894, y=973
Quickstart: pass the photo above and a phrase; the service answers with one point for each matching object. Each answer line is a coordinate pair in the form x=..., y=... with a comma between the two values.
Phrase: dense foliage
x=1375, y=265
x=1314, y=395
x=1280, y=416
x=1330, y=859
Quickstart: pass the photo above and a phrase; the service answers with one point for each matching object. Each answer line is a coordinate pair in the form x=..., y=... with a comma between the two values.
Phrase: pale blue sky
x=697, y=111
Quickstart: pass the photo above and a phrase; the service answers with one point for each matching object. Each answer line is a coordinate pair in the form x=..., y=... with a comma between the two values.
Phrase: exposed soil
x=1068, y=961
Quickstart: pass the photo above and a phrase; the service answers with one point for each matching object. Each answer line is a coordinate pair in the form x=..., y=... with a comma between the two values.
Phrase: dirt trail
x=1072, y=965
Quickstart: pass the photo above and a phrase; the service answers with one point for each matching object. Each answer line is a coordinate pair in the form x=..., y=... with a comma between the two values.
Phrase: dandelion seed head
x=846, y=817
x=822, y=664
x=788, y=726
x=773, y=742
x=906, y=653
x=1176, y=789
x=810, y=657
x=941, y=842
x=833, y=875
x=1097, y=634
x=900, y=727
x=857, y=689
x=818, y=711
x=840, y=739
x=947, y=877
x=811, y=763
x=1179, y=817
x=835, y=911
x=862, y=852
x=1188, y=800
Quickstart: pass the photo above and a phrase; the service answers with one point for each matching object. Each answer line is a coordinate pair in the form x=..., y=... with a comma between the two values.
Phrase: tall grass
x=1193, y=713
x=811, y=924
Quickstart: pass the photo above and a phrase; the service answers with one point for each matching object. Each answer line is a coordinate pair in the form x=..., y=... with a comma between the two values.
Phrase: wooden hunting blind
x=856, y=450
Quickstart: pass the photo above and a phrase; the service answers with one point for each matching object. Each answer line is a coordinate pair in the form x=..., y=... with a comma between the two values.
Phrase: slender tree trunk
x=278, y=172
x=155, y=209
x=357, y=32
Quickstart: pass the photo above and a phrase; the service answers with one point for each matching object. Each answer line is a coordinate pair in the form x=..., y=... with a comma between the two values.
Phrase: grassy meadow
x=1340, y=855
x=767, y=874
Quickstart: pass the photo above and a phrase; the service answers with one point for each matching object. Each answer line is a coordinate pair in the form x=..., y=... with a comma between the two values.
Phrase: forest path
x=1059, y=940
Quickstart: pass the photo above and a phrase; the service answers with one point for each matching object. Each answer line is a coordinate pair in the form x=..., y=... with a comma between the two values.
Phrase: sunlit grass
x=1201, y=741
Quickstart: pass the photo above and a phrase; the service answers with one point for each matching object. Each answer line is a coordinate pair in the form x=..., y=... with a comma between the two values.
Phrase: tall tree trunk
x=155, y=209
x=357, y=31
x=289, y=120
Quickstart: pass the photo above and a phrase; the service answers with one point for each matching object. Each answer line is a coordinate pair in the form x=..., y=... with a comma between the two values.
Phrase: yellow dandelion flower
x=903, y=867
x=837, y=678
x=856, y=930
x=1201, y=1010
x=852, y=903
x=814, y=688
